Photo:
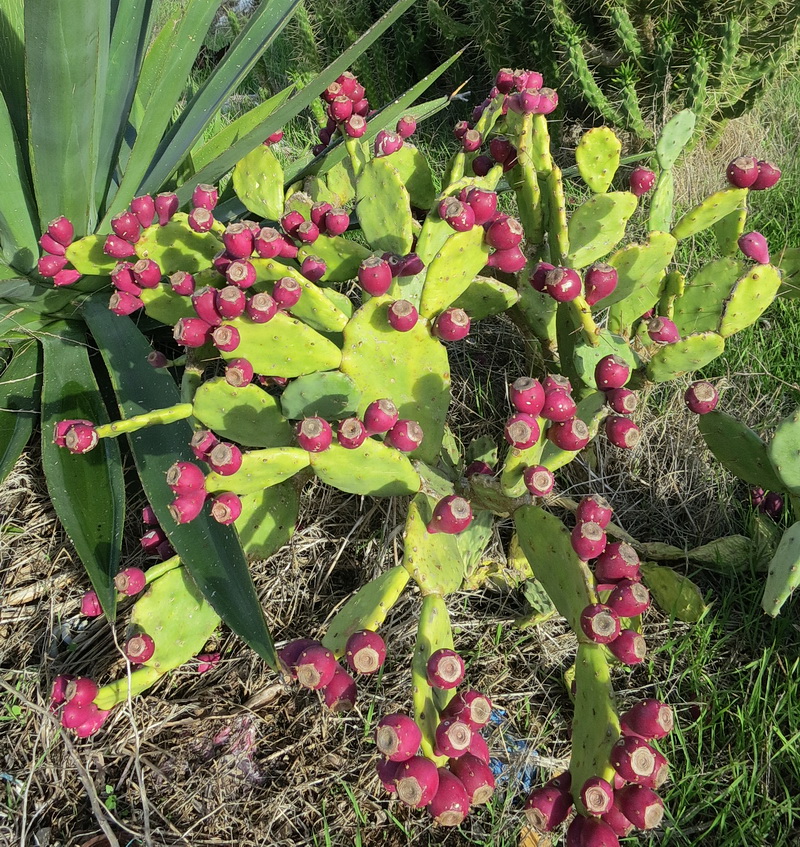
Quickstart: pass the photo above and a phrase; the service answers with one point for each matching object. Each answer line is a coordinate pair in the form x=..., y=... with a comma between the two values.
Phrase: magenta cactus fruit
x=182, y=283
x=313, y=268
x=470, y=706
x=225, y=459
x=152, y=538
x=226, y=507
x=478, y=747
x=186, y=507
x=481, y=165
x=641, y=181
x=53, y=247
x=387, y=143
x=351, y=433
x=61, y=230
x=145, y=210
x=460, y=129
x=538, y=278
x=416, y=781
x=574, y=834
x=318, y=212
x=315, y=667
x=507, y=261
x=147, y=273
x=355, y=126
x=307, y=232
x=261, y=308
x=558, y=406
x=504, y=233
x=185, y=477
x=450, y=804
x=126, y=226
x=411, y=265
x=633, y=759
x=445, y=669
x=478, y=467
x=451, y=515
x=527, y=395
x=701, y=398
x=387, y=769
x=62, y=428
x=166, y=205
x=398, y=737
x=562, y=284
x=768, y=175
x=230, y=302
x=660, y=773
x=395, y=261
x=588, y=540
x=80, y=691
x=200, y=220
x=238, y=240
x=742, y=172
x=241, y=273
x=139, y=649
x=130, y=581
x=365, y=652
x=58, y=691
x=556, y=382
x=205, y=196
x=622, y=401
x=599, y=281
x=203, y=442
x=406, y=126
x=67, y=276
x=340, y=108
x=597, y=833
x=452, y=325
x=48, y=266
x=380, y=416
x=476, y=776
x=75, y=714
x=122, y=279
x=629, y=647
x=501, y=149
x=80, y=438
x=402, y=315
x=570, y=435
x=122, y=303
x=290, y=653
x=483, y=204
x=538, y=480
x=599, y=623
x=663, y=331
x=267, y=242
x=773, y=505
x=611, y=372
x=90, y=605
x=149, y=516
x=754, y=246
x=314, y=434
x=375, y=276
x=597, y=795
x=618, y=561
x=504, y=81
x=286, y=292
x=629, y=598
x=648, y=719
x=547, y=807
x=622, y=432
x=457, y=214
x=114, y=246
x=617, y=821
x=522, y=430
x=594, y=508
x=405, y=436
x=340, y=694
x=204, y=303
x=641, y=806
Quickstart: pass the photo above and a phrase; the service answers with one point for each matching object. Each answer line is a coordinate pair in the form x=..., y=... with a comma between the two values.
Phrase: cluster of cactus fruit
x=309, y=354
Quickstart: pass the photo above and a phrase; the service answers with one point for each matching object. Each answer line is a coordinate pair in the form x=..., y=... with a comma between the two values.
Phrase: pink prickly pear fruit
x=663, y=331
x=95, y=720
x=230, y=301
x=471, y=140
x=122, y=303
x=562, y=781
x=395, y=263
x=641, y=806
x=58, y=691
x=147, y=273
x=313, y=268
x=622, y=432
x=226, y=507
x=588, y=540
x=387, y=770
x=450, y=804
x=114, y=246
x=599, y=281
x=204, y=303
x=522, y=430
x=661, y=772
x=267, y=242
x=402, y=315
x=527, y=395
x=594, y=508
x=742, y=172
x=81, y=691
x=572, y=435
x=773, y=505
x=504, y=80
x=203, y=442
x=562, y=284
x=599, y=623
x=622, y=401
x=351, y=433
x=754, y=246
x=261, y=308
x=238, y=240
x=411, y=265
x=483, y=204
x=139, y=649
x=460, y=129
x=597, y=833
x=62, y=428
x=556, y=382
x=290, y=653
x=538, y=480
x=478, y=747
x=405, y=436
x=445, y=669
x=50, y=245
x=61, y=230
x=67, y=276
x=629, y=598
x=416, y=781
x=538, y=278
x=221, y=261
x=130, y=581
x=80, y=438
x=458, y=215
x=339, y=695
x=477, y=468
x=629, y=647
x=286, y=292
x=527, y=79
x=398, y=737
x=318, y=212
x=387, y=143
x=75, y=714
x=547, y=807
x=501, y=149
x=314, y=434
x=149, y=516
x=548, y=101
x=597, y=795
x=126, y=226
x=768, y=175
x=611, y=372
x=618, y=561
x=241, y=273
x=504, y=233
x=152, y=538
x=701, y=398
x=355, y=126
x=200, y=220
x=617, y=821
x=507, y=261
x=451, y=515
x=380, y=416
x=481, y=165
x=375, y=276
x=558, y=406
x=122, y=279
x=205, y=196
x=166, y=205
x=641, y=181
x=340, y=108
x=452, y=325
x=182, y=283
x=225, y=458
x=476, y=776
x=90, y=605
x=365, y=651
x=315, y=667
x=633, y=759
x=406, y=126
x=470, y=706
x=48, y=266
x=290, y=221
x=145, y=210
x=185, y=477
x=307, y=232
x=648, y=719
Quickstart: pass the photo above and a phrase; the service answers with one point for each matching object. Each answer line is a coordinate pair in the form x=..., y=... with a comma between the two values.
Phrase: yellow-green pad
x=268, y=520
x=539, y=311
x=585, y=357
x=342, y=182
x=260, y=469
x=557, y=228
x=433, y=559
x=783, y=575
x=707, y=213
x=415, y=174
x=597, y=157
x=86, y=256
x=409, y=368
x=165, y=305
x=283, y=347
x=485, y=297
x=341, y=256
x=661, y=203
x=383, y=207
x=640, y=268
x=176, y=247
x=258, y=183
x=592, y=410
x=246, y=415
x=784, y=453
x=700, y=306
x=749, y=299
x=597, y=225
x=688, y=354
x=373, y=469
x=331, y=395
x=728, y=230
x=517, y=461
x=366, y=609
x=789, y=263
x=459, y=260
x=676, y=595
x=674, y=137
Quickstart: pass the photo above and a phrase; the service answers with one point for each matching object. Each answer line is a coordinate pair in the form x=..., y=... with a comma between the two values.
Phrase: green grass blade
x=20, y=387
x=262, y=28
x=66, y=57
x=88, y=492
x=212, y=172
x=211, y=552
x=12, y=68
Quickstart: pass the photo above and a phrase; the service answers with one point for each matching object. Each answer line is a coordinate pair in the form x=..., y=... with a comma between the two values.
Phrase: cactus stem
x=584, y=314
x=159, y=416
x=154, y=572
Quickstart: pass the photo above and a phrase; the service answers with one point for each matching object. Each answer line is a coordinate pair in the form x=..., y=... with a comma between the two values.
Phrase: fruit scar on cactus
x=398, y=737
x=470, y=706
x=597, y=795
x=416, y=781
x=453, y=738
x=365, y=652
x=315, y=667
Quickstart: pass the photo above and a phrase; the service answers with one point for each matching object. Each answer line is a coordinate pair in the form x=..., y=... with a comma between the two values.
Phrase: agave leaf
x=20, y=386
x=12, y=68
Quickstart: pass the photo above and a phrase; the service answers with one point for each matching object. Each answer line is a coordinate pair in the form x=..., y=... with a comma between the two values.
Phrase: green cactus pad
x=283, y=347
x=473, y=540
x=585, y=357
x=592, y=410
x=517, y=461
x=485, y=297
x=661, y=203
x=689, y=354
x=540, y=606
x=728, y=230
x=373, y=469
x=341, y=256
x=268, y=520
x=749, y=299
x=597, y=225
x=783, y=575
x=318, y=191
x=597, y=157
x=739, y=449
x=258, y=183
x=674, y=137
x=640, y=269
x=539, y=312
x=415, y=174
x=246, y=415
x=342, y=302
x=560, y=236
x=175, y=247
x=433, y=633
x=330, y=395
x=165, y=305
x=784, y=453
x=86, y=256
x=567, y=580
x=366, y=609
x=452, y=270
x=298, y=201
x=699, y=308
x=433, y=560
x=673, y=593
x=384, y=208
x=707, y=213
x=341, y=182
x=789, y=263
x=409, y=368
x=260, y=469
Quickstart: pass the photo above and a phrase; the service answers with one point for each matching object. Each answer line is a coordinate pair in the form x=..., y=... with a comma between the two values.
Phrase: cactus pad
x=415, y=174
x=341, y=182
x=673, y=593
x=789, y=263
x=260, y=469
x=452, y=270
x=640, y=268
x=597, y=157
x=373, y=469
x=330, y=395
x=783, y=575
x=557, y=228
x=165, y=305
x=597, y=225
x=175, y=247
x=539, y=311
x=700, y=306
x=749, y=299
x=267, y=520
x=661, y=203
x=384, y=208
x=688, y=354
x=707, y=213
x=585, y=357
x=341, y=256
x=485, y=297
x=86, y=256
x=728, y=230
x=433, y=560
x=784, y=453
x=674, y=137
x=258, y=183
